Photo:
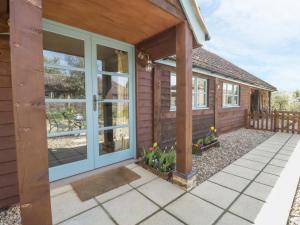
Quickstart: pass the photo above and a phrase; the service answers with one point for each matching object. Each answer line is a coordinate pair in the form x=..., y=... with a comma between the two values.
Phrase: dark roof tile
x=207, y=60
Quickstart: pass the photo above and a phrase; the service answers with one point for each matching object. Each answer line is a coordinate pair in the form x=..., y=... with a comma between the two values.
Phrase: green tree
x=296, y=94
x=280, y=102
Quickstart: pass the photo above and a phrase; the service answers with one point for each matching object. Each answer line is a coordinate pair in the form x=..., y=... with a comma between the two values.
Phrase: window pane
x=235, y=100
x=113, y=140
x=194, y=80
x=64, y=84
x=201, y=85
x=112, y=114
x=65, y=116
x=229, y=89
x=229, y=99
x=201, y=100
x=60, y=50
x=66, y=149
x=112, y=87
x=111, y=60
x=173, y=82
x=173, y=100
x=236, y=90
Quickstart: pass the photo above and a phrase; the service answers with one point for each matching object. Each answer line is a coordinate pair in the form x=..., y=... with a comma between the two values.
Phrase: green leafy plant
x=162, y=160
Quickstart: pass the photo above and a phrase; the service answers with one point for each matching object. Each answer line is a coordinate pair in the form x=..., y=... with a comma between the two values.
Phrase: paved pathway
x=234, y=196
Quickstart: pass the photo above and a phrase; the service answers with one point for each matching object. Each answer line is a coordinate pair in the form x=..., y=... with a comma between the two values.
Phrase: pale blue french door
x=89, y=95
x=113, y=96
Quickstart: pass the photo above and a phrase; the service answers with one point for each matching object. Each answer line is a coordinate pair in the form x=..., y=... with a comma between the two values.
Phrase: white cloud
x=262, y=36
x=261, y=21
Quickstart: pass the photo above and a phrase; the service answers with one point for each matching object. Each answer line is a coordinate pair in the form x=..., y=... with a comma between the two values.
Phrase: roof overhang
x=193, y=15
x=206, y=72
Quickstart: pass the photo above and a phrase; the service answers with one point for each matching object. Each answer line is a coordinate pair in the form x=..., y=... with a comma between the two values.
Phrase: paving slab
x=162, y=218
x=130, y=208
x=285, y=152
x=273, y=169
x=194, y=211
x=215, y=194
x=95, y=216
x=282, y=157
x=241, y=171
x=257, y=158
x=230, y=219
x=268, y=148
x=262, y=153
x=67, y=205
x=249, y=164
x=259, y=191
x=146, y=176
x=60, y=190
x=230, y=181
x=266, y=178
x=246, y=207
x=113, y=193
x=278, y=162
x=160, y=191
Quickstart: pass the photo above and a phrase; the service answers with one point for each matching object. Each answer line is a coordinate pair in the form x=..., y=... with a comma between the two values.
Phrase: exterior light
x=149, y=65
x=146, y=57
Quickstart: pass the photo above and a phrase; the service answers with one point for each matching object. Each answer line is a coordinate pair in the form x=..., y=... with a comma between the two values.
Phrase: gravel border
x=10, y=216
x=294, y=218
x=233, y=145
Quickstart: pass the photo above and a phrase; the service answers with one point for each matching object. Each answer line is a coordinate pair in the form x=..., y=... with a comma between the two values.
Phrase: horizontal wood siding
x=232, y=118
x=144, y=107
x=8, y=167
x=202, y=118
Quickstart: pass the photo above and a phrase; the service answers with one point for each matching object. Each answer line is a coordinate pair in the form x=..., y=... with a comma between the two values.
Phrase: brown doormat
x=95, y=185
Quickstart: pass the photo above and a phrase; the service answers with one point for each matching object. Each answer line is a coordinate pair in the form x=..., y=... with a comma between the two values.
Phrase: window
x=231, y=95
x=199, y=92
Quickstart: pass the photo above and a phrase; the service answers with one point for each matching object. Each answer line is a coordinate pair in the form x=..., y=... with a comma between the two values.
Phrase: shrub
x=162, y=160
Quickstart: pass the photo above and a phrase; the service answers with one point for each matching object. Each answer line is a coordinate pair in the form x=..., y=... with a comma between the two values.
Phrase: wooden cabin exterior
x=99, y=45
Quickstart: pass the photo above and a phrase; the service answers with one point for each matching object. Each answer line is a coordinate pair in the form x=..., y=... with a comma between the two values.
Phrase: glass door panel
x=65, y=75
x=113, y=77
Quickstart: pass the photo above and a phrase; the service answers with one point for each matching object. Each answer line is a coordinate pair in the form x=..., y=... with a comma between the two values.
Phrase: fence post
x=247, y=118
x=276, y=121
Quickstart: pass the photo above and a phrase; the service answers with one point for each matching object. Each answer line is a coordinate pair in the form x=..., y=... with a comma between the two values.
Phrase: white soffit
x=192, y=12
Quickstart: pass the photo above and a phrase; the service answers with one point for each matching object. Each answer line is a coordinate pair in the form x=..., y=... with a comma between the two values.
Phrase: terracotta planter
x=199, y=150
x=164, y=175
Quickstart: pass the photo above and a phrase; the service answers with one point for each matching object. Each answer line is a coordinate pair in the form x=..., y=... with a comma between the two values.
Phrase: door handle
x=94, y=102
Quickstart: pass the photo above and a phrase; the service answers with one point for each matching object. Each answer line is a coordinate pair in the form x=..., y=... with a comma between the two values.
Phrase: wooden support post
x=29, y=111
x=184, y=41
x=157, y=105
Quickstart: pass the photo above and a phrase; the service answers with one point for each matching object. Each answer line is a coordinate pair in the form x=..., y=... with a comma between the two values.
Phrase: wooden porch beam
x=29, y=111
x=184, y=43
x=159, y=46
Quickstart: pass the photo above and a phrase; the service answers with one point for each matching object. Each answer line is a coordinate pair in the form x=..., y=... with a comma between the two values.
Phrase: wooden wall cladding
x=144, y=108
x=202, y=118
x=8, y=168
x=231, y=118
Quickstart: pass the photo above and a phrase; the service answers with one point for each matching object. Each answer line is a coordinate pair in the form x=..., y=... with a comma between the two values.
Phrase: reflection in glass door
x=89, y=95
x=113, y=102
x=65, y=73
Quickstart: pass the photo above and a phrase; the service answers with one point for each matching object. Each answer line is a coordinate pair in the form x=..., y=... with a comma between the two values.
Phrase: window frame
x=225, y=95
x=195, y=93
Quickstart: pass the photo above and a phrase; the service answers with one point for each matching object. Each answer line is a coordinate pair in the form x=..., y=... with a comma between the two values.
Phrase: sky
x=260, y=36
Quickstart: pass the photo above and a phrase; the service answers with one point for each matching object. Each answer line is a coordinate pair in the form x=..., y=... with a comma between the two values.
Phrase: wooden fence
x=277, y=121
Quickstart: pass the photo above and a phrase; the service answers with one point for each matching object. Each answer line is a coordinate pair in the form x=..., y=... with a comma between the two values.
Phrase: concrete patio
x=234, y=196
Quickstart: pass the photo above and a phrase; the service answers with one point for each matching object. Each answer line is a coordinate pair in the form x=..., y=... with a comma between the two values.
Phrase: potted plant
x=209, y=141
x=160, y=162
